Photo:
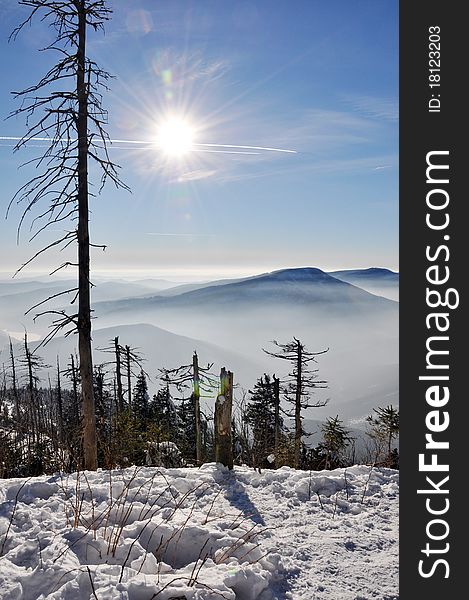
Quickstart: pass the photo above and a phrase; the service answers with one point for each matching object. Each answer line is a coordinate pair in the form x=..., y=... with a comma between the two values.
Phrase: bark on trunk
x=76, y=401
x=298, y=407
x=120, y=393
x=198, y=428
x=223, y=409
x=129, y=375
x=84, y=304
x=277, y=419
x=32, y=401
x=60, y=412
x=15, y=388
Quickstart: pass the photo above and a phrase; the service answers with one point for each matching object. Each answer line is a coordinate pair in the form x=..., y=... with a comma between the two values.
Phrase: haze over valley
x=228, y=322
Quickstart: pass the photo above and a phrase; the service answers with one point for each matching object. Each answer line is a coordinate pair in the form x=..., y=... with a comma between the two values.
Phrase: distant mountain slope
x=382, y=282
x=370, y=274
x=295, y=287
x=16, y=286
x=160, y=348
x=230, y=322
x=190, y=287
x=17, y=297
x=4, y=339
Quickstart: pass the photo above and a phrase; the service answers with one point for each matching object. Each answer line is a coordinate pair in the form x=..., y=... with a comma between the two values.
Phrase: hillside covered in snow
x=147, y=533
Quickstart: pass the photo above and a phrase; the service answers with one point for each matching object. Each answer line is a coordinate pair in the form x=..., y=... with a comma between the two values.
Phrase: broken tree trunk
x=196, y=392
x=60, y=412
x=298, y=395
x=120, y=393
x=129, y=375
x=223, y=409
x=277, y=420
x=15, y=388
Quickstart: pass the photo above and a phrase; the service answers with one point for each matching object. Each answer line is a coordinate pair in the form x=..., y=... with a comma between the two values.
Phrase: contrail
x=197, y=147
x=249, y=147
x=221, y=151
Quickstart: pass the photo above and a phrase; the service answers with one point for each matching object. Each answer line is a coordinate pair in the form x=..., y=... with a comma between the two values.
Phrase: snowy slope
x=201, y=534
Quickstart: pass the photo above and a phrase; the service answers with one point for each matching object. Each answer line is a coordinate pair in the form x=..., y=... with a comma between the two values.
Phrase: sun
x=175, y=137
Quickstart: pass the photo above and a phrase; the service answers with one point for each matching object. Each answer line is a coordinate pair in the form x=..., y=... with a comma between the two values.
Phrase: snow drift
x=149, y=533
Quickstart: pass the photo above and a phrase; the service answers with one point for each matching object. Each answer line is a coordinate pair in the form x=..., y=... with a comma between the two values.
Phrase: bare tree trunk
x=3, y=393
x=15, y=388
x=51, y=420
x=298, y=428
x=223, y=409
x=76, y=401
x=74, y=121
x=84, y=304
x=297, y=390
x=277, y=419
x=60, y=412
x=120, y=394
x=129, y=374
x=114, y=389
x=31, y=389
x=198, y=428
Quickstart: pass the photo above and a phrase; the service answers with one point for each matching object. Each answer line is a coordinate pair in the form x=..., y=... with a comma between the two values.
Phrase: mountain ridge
x=303, y=285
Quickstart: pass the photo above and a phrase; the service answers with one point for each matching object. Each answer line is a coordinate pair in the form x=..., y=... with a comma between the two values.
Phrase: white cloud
x=179, y=68
x=195, y=175
x=379, y=108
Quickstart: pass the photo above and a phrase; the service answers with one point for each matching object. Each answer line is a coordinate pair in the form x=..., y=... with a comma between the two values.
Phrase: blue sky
x=318, y=77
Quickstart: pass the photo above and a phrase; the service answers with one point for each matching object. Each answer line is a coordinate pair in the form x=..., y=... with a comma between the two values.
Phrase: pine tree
x=141, y=401
x=186, y=439
x=260, y=415
x=385, y=429
x=104, y=417
x=336, y=438
x=163, y=416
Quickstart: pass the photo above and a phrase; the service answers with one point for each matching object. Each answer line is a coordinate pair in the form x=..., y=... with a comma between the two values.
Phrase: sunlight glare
x=175, y=137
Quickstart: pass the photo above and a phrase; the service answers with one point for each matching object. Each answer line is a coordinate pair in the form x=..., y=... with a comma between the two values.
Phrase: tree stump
x=223, y=410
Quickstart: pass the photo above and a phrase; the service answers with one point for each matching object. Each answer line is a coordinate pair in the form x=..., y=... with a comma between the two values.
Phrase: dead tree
x=125, y=358
x=120, y=394
x=15, y=386
x=223, y=411
x=200, y=380
x=300, y=383
x=198, y=424
x=60, y=412
x=71, y=121
x=5, y=413
x=34, y=416
x=72, y=372
x=132, y=359
x=277, y=419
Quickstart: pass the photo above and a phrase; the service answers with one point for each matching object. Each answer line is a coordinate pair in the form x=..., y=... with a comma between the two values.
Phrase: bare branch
x=69, y=291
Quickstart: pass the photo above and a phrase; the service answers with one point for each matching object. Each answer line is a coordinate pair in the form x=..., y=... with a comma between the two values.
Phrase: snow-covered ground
x=159, y=534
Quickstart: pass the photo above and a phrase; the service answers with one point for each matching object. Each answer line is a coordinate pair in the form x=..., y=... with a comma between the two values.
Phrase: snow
x=148, y=533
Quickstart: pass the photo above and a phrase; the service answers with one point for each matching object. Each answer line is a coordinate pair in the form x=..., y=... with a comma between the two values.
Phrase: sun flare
x=175, y=137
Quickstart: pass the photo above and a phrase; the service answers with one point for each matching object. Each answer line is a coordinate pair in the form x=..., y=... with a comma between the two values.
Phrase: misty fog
x=229, y=324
